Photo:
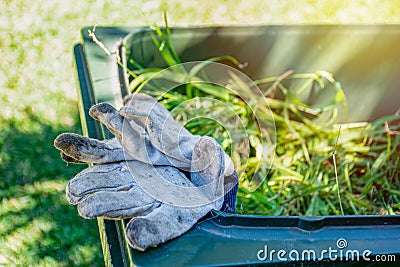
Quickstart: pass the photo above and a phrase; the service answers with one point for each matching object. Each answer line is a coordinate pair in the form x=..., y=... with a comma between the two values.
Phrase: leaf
x=212, y=89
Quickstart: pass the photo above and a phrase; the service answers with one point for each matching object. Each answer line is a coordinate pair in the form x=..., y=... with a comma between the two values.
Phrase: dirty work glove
x=102, y=191
x=138, y=136
x=127, y=189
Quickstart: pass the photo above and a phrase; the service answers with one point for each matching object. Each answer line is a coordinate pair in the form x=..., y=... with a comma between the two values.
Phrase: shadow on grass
x=37, y=225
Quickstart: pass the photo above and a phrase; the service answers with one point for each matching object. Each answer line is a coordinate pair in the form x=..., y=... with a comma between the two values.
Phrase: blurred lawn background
x=38, y=101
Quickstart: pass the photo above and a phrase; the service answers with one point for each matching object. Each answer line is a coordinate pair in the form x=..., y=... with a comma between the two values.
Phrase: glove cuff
x=229, y=204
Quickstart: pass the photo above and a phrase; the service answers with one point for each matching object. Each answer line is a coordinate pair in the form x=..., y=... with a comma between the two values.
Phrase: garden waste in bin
x=364, y=58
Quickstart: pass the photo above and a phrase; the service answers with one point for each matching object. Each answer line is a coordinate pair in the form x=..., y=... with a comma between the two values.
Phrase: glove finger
x=167, y=135
x=79, y=148
x=207, y=169
x=162, y=224
x=109, y=116
x=123, y=204
x=229, y=168
x=132, y=136
x=105, y=177
x=120, y=177
x=136, y=143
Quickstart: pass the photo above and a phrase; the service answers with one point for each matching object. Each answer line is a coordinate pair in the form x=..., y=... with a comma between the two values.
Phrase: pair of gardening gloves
x=154, y=172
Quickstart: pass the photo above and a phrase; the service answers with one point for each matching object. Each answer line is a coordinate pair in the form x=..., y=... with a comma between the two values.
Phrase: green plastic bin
x=365, y=59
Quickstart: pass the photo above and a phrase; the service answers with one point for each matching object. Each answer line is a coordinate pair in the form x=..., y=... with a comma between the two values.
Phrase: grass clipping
x=319, y=167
